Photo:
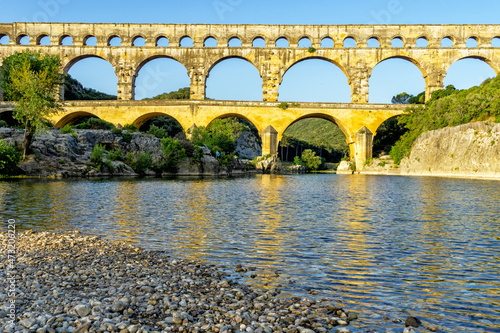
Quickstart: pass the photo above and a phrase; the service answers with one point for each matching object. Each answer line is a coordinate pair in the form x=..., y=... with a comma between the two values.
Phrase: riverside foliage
x=448, y=107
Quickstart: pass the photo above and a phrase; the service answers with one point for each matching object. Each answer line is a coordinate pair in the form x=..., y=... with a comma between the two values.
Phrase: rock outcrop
x=470, y=150
x=247, y=146
x=68, y=155
x=270, y=165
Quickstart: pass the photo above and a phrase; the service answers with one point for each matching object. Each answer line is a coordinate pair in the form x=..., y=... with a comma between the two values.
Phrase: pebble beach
x=70, y=282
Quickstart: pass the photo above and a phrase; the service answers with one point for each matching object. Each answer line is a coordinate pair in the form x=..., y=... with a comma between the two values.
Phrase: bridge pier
x=363, y=147
x=269, y=141
x=433, y=81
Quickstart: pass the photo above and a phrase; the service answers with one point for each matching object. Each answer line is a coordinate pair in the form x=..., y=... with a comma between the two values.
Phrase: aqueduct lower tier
x=71, y=42
x=359, y=122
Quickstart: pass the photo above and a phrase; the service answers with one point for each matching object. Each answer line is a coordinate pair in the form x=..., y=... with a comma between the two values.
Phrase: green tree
x=220, y=135
x=310, y=160
x=9, y=158
x=32, y=80
x=403, y=98
x=174, y=152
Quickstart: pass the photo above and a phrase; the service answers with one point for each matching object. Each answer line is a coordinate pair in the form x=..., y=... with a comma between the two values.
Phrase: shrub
x=159, y=132
x=3, y=123
x=130, y=127
x=173, y=152
x=126, y=137
x=9, y=158
x=116, y=131
x=115, y=155
x=297, y=161
x=283, y=105
x=221, y=135
x=140, y=162
x=67, y=129
x=95, y=124
x=310, y=160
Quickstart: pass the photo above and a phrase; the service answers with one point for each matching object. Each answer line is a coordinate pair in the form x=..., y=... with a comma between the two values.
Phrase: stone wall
x=471, y=150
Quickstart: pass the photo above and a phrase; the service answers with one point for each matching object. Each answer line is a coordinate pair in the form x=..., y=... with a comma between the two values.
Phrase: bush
x=116, y=131
x=115, y=155
x=310, y=160
x=67, y=129
x=139, y=163
x=9, y=158
x=130, y=127
x=159, y=132
x=95, y=124
x=126, y=137
x=173, y=152
x=219, y=136
x=3, y=123
x=98, y=155
x=297, y=161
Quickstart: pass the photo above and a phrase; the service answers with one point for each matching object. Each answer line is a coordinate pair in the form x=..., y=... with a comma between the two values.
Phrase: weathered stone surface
x=247, y=146
x=471, y=150
x=344, y=168
x=270, y=165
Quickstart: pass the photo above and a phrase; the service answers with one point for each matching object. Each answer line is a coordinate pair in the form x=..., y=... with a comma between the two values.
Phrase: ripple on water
x=384, y=247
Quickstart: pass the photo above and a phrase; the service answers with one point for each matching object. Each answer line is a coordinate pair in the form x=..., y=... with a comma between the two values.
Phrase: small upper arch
x=397, y=41
x=23, y=40
x=282, y=42
x=234, y=41
x=43, y=39
x=373, y=41
x=114, y=40
x=90, y=40
x=210, y=41
x=447, y=41
x=305, y=42
x=259, y=42
x=162, y=41
x=350, y=41
x=139, y=41
x=422, y=41
x=327, y=42
x=66, y=40
x=495, y=42
x=186, y=41
x=4, y=39
x=472, y=41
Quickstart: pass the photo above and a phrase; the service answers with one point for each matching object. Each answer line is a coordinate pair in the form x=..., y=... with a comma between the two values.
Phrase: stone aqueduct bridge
x=358, y=120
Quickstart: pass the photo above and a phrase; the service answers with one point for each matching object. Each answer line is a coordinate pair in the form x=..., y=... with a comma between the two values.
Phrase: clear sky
x=237, y=79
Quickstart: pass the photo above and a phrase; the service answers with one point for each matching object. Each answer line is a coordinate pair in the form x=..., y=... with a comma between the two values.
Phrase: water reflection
x=376, y=245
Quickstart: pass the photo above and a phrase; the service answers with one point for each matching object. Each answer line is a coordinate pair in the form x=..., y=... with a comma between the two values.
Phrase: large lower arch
x=96, y=73
x=71, y=118
x=470, y=71
x=386, y=135
x=243, y=83
x=320, y=80
x=157, y=75
x=389, y=78
x=139, y=122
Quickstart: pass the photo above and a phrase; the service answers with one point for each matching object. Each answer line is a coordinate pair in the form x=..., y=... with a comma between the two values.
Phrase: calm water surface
x=383, y=247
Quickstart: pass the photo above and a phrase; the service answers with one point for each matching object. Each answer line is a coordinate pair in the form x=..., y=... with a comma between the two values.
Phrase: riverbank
x=69, y=282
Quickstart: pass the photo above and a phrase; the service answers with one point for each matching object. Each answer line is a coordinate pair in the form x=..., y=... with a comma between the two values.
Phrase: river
x=380, y=246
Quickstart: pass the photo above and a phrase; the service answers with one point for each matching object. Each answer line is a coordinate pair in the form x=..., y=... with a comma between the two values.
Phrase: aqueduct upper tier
x=419, y=44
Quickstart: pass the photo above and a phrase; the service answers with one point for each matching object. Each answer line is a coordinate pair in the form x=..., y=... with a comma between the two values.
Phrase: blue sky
x=236, y=79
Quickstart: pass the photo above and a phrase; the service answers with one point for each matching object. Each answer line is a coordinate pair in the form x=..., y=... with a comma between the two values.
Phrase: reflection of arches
x=139, y=122
x=210, y=42
x=72, y=118
x=236, y=80
x=315, y=79
x=395, y=75
x=467, y=72
x=258, y=42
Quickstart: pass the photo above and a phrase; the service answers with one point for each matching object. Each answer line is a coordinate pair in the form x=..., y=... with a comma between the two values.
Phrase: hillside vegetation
x=75, y=91
x=448, y=107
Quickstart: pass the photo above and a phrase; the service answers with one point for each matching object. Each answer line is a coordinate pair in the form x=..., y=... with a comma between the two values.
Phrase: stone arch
x=21, y=37
x=186, y=39
x=210, y=39
x=218, y=61
x=234, y=39
x=72, y=117
x=113, y=38
x=348, y=39
x=472, y=42
x=375, y=40
x=492, y=64
x=148, y=116
x=342, y=68
x=283, y=39
x=145, y=60
x=138, y=39
x=161, y=39
x=305, y=39
x=87, y=38
x=445, y=40
x=65, y=38
x=495, y=41
x=396, y=39
x=325, y=116
x=248, y=118
x=421, y=41
x=326, y=40
x=40, y=37
x=67, y=66
x=407, y=58
x=259, y=39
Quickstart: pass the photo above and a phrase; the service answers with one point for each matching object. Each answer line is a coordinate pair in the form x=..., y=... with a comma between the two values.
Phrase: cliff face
x=470, y=150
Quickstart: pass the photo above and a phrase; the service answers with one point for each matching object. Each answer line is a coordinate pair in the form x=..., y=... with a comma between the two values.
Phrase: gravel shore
x=69, y=282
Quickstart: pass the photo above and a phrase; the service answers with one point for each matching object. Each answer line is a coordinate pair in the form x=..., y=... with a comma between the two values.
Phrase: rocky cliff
x=470, y=150
x=69, y=155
